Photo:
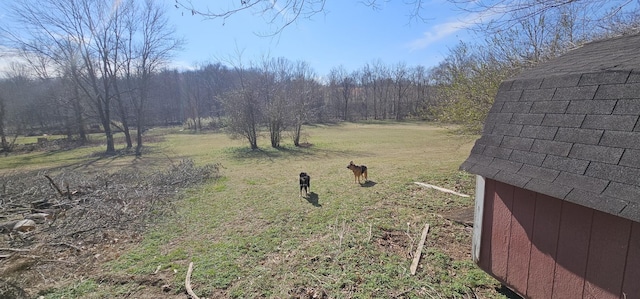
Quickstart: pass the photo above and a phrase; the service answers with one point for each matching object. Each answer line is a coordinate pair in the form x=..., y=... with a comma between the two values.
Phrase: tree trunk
x=139, y=137
x=275, y=133
x=77, y=110
x=123, y=117
x=106, y=125
x=296, y=134
x=3, y=136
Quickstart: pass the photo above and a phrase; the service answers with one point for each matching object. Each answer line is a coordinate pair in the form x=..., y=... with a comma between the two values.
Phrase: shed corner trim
x=477, y=219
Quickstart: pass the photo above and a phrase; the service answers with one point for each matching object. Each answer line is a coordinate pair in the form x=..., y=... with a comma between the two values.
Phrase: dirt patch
x=462, y=216
x=307, y=293
x=395, y=242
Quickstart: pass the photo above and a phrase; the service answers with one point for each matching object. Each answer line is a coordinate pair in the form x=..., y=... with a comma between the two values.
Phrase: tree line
x=274, y=96
x=102, y=68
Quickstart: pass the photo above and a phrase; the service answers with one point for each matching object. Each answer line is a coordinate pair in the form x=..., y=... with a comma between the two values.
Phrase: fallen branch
x=53, y=185
x=187, y=282
x=416, y=256
x=15, y=210
x=66, y=244
x=441, y=189
x=15, y=249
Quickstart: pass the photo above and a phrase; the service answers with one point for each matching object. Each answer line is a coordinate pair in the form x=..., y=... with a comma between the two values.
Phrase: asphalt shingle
x=570, y=128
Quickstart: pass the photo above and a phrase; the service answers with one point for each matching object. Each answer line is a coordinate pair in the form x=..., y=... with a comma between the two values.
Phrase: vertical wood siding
x=543, y=247
x=520, y=239
x=571, y=267
x=631, y=284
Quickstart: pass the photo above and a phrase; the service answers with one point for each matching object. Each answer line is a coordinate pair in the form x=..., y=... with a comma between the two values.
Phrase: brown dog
x=358, y=171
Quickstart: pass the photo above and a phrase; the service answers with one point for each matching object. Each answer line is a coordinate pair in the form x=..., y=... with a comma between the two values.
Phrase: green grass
x=249, y=235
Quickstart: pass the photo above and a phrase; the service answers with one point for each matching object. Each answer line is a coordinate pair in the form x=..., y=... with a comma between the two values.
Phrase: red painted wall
x=543, y=247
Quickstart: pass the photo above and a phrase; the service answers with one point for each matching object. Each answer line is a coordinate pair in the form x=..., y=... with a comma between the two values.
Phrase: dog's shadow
x=313, y=199
x=368, y=184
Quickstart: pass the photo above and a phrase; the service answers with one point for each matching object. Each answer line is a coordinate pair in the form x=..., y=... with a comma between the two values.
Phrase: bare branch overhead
x=507, y=13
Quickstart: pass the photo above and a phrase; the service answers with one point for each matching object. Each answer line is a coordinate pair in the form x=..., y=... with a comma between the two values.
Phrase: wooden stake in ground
x=416, y=256
x=187, y=282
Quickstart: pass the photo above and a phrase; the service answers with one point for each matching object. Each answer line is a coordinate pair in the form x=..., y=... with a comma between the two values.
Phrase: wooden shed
x=558, y=176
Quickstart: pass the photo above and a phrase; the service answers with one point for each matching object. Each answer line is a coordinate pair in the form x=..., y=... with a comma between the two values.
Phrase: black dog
x=305, y=183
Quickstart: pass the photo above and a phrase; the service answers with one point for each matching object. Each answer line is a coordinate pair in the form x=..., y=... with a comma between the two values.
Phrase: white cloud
x=436, y=33
x=7, y=58
x=444, y=30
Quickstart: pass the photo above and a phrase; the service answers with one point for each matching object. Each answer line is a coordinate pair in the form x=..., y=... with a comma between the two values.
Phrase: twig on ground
x=66, y=244
x=15, y=249
x=187, y=282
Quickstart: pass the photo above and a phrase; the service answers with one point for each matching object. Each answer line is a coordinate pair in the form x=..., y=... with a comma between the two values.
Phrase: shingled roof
x=569, y=129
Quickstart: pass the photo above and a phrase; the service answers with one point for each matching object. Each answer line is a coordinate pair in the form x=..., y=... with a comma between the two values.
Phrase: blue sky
x=347, y=33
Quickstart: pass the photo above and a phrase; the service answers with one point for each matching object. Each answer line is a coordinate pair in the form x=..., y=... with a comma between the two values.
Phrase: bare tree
x=123, y=30
x=95, y=44
x=305, y=92
x=401, y=84
x=219, y=79
x=277, y=14
x=507, y=13
x=381, y=89
x=150, y=52
x=278, y=93
x=194, y=92
x=466, y=83
x=280, y=14
x=165, y=94
x=244, y=115
x=60, y=29
x=342, y=85
x=3, y=133
x=243, y=105
x=75, y=101
x=15, y=99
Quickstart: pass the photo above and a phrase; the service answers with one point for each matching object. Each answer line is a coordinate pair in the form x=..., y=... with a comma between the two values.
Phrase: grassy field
x=250, y=235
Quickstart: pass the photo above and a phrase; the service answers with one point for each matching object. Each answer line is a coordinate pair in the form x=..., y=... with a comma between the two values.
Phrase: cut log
x=416, y=256
x=25, y=225
x=7, y=227
x=187, y=282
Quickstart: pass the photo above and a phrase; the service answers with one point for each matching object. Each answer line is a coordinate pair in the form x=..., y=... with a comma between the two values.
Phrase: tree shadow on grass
x=308, y=151
x=313, y=199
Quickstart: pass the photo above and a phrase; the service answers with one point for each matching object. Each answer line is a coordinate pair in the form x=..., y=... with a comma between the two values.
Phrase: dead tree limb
x=53, y=185
x=187, y=282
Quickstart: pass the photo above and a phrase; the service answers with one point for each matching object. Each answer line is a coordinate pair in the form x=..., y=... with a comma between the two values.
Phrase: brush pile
x=56, y=224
